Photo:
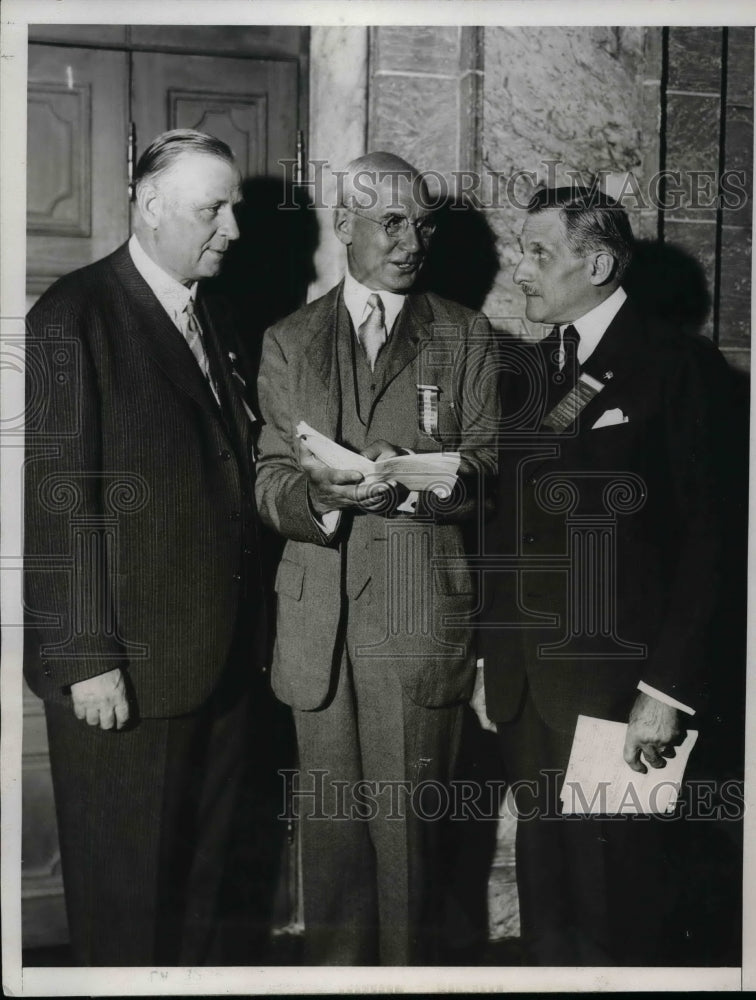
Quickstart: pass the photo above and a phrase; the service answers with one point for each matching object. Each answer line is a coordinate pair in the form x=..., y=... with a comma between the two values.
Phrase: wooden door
x=79, y=107
x=251, y=104
x=77, y=193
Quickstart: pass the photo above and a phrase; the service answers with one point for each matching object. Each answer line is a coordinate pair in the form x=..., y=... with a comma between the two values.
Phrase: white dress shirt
x=171, y=294
x=173, y=297
x=594, y=324
x=355, y=299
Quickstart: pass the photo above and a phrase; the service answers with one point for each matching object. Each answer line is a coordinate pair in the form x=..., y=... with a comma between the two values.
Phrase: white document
x=599, y=781
x=435, y=471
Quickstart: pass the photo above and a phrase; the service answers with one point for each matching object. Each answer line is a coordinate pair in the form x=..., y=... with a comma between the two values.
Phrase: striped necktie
x=372, y=331
x=194, y=338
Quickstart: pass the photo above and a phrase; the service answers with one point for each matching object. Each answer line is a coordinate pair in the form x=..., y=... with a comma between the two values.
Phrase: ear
x=601, y=267
x=342, y=225
x=150, y=204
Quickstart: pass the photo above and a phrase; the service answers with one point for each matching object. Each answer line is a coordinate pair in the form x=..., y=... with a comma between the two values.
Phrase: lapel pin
x=608, y=375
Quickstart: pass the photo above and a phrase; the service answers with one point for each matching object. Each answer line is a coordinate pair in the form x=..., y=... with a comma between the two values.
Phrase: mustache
x=528, y=289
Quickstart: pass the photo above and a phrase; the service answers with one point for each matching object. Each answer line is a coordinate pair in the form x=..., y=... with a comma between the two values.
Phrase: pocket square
x=610, y=417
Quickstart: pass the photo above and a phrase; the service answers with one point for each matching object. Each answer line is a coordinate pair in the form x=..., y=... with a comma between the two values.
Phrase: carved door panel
x=251, y=104
x=77, y=196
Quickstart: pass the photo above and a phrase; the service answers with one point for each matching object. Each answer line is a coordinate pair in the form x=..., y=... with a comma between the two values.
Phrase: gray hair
x=163, y=152
x=592, y=222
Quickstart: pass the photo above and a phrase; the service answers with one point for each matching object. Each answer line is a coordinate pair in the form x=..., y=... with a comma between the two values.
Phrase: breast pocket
x=290, y=579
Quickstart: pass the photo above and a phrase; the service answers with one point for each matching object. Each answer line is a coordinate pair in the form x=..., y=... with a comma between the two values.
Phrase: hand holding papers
x=428, y=471
x=599, y=781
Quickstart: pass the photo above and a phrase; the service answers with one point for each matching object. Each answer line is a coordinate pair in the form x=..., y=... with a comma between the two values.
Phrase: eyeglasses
x=395, y=226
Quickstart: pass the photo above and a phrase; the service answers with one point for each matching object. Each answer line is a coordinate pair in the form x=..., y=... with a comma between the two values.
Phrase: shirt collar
x=355, y=299
x=594, y=324
x=171, y=294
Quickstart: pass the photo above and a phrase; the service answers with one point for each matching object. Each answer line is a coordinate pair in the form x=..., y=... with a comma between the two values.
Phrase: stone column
x=338, y=125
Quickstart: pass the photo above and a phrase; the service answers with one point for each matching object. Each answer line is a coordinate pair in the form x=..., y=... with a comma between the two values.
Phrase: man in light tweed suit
x=373, y=649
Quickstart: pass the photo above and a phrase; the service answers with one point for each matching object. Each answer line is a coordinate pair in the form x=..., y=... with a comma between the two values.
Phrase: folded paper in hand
x=599, y=781
x=436, y=471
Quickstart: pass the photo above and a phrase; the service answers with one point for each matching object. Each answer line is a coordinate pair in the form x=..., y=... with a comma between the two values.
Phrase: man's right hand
x=101, y=700
x=330, y=489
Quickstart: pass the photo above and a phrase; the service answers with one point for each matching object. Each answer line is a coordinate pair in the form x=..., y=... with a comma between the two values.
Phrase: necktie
x=562, y=357
x=193, y=335
x=372, y=331
x=570, y=341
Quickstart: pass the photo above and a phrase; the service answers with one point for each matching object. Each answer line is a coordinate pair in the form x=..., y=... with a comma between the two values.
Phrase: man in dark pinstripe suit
x=142, y=576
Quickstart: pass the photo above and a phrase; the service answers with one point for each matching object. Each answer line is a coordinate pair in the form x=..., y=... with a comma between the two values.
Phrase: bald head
x=368, y=177
x=383, y=221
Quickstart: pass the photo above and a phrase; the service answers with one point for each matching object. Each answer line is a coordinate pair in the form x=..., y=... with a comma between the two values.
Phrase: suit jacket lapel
x=617, y=357
x=230, y=389
x=150, y=325
x=321, y=386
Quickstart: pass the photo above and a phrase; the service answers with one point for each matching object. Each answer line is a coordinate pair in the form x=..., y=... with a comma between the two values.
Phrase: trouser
x=369, y=845
x=144, y=816
x=593, y=890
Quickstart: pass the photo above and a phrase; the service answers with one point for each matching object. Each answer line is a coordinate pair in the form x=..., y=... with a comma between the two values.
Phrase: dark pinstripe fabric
x=135, y=410
x=128, y=450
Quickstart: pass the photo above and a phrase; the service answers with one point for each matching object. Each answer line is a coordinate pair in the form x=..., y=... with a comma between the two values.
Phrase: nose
x=410, y=241
x=520, y=272
x=228, y=226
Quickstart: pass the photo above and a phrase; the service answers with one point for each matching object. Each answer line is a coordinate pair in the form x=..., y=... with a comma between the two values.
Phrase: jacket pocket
x=290, y=579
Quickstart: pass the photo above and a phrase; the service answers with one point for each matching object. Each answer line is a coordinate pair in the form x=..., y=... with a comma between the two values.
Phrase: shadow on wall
x=669, y=284
x=462, y=262
x=269, y=268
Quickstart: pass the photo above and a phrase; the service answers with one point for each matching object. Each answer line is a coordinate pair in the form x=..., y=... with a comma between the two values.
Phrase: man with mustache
x=608, y=514
x=373, y=647
x=142, y=579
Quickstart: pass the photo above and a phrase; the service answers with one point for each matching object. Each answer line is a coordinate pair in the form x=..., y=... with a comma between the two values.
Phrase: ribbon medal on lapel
x=427, y=408
x=567, y=409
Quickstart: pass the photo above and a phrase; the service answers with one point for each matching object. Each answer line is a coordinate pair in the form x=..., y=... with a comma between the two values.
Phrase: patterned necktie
x=193, y=335
x=372, y=331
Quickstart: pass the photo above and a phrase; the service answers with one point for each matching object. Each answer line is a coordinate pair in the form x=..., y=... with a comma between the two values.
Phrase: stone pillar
x=734, y=298
x=338, y=124
x=425, y=95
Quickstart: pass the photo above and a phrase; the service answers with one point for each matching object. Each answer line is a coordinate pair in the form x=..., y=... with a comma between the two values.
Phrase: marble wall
x=557, y=100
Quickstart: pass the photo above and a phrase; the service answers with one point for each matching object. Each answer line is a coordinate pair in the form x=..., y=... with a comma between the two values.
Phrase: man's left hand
x=384, y=496
x=653, y=729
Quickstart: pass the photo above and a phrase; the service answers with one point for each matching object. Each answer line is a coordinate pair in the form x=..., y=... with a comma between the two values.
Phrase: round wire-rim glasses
x=395, y=226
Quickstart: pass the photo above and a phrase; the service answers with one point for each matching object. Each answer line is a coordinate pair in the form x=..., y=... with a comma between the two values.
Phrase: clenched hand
x=101, y=700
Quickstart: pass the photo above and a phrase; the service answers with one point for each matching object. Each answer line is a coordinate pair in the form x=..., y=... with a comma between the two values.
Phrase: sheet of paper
x=599, y=781
x=335, y=456
x=435, y=471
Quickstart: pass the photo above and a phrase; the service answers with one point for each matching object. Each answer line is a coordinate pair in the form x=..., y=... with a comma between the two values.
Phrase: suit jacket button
x=528, y=539
x=235, y=515
x=237, y=577
x=225, y=454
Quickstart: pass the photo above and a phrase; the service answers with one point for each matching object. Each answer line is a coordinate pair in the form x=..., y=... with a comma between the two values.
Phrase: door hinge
x=131, y=158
